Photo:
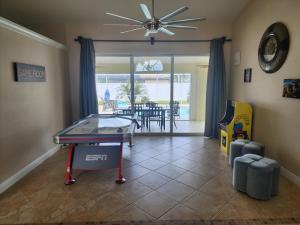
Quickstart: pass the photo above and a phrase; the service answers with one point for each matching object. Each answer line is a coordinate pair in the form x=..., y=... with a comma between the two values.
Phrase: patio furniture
x=176, y=111
x=139, y=105
x=241, y=147
x=147, y=114
x=256, y=176
x=151, y=104
x=126, y=111
x=156, y=114
x=139, y=109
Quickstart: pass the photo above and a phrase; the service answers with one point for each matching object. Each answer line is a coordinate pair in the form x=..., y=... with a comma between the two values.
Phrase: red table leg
x=120, y=179
x=68, y=178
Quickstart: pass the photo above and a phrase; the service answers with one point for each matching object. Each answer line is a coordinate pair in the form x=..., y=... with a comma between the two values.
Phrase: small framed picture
x=247, y=75
x=291, y=88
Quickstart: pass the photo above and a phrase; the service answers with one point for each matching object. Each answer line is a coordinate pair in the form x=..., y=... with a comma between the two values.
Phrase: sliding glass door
x=167, y=92
x=190, y=78
x=152, y=92
x=113, y=84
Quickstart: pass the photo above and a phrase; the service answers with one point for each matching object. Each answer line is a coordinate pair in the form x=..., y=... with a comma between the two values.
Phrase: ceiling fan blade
x=181, y=27
x=147, y=33
x=185, y=20
x=146, y=11
x=122, y=24
x=127, y=31
x=123, y=17
x=164, y=30
x=176, y=12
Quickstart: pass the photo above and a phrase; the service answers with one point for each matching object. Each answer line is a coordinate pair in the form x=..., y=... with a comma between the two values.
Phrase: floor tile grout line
x=197, y=189
x=221, y=208
x=171, y=179
x=154, y=189
x=144, y=210
x=133, y=204
x=168, y=210
x=182, y=203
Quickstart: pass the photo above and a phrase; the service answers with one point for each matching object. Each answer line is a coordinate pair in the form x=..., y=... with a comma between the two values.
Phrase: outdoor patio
x=182, y=126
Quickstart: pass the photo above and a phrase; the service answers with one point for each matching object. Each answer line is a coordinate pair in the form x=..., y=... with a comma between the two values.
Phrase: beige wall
x=207, y=30
x=201, y=84
x=30, y=112
x=276, y=119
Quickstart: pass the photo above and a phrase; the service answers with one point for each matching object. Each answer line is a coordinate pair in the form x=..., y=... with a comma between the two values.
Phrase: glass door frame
x=172, y=71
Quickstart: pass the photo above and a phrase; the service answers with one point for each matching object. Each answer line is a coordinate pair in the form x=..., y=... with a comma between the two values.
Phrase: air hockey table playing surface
x=86, y=137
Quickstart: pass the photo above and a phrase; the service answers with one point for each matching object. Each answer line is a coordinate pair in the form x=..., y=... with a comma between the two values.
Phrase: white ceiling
x=27, y=12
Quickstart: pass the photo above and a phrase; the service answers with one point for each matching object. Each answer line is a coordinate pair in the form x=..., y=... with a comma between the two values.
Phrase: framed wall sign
x=29, y=73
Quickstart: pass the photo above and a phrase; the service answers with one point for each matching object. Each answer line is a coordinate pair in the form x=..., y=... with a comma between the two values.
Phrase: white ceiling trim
x=9, y=25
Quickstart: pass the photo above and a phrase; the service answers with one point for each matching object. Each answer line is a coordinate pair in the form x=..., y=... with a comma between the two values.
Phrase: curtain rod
x=152, y=40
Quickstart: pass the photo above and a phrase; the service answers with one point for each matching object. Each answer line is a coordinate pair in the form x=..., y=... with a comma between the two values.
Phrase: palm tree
x=139, y=90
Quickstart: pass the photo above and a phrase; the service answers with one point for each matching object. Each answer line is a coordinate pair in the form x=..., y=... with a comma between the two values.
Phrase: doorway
x=167, y=92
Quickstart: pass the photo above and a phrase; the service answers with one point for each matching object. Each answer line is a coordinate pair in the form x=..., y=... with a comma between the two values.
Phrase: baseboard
x=290, y=176
x=27, y=169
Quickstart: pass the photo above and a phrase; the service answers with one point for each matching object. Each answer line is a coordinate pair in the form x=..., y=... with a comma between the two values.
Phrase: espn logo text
x=95, y=157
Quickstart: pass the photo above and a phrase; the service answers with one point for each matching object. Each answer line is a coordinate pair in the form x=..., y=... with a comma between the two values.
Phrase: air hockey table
x=96, y=143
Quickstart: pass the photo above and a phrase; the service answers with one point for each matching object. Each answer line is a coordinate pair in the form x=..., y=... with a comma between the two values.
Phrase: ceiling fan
x=153, y=25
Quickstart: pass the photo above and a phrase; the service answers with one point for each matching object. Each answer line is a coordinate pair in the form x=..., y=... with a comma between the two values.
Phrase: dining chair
x=151, y=104
x=176, y=112
x=139, y=109
x=156, y=114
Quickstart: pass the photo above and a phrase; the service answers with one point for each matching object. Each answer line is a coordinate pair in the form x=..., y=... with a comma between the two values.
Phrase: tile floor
x=179, y=178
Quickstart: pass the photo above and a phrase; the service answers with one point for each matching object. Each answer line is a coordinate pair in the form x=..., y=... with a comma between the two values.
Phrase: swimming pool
x=184, y=112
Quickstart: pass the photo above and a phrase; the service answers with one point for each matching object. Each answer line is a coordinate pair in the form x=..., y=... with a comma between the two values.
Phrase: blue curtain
x=215, y=92
x=88, y=96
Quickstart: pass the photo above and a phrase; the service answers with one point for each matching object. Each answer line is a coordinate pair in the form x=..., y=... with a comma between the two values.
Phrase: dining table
x=147, y=114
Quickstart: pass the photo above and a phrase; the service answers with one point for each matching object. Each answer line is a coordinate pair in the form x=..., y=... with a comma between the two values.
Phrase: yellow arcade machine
x=236, y=123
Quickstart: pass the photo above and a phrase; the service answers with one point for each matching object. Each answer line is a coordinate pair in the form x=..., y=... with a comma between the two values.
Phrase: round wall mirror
x=270, y=49
x=273, y=48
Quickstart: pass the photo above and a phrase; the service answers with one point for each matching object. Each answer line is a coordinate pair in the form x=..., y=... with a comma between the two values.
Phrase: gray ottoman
x=244, y=141
x=258, y=143
x=241, y=147
x=253, y=148
x=240, y=171
x=235, y=151
x=275, y=174
x=257, y=176
x=254, y=157
x=259, y=180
